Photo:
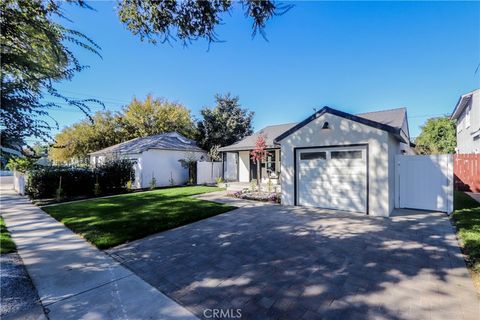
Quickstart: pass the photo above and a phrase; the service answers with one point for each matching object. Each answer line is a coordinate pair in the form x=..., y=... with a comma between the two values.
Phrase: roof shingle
x=166, y=141
x=392, y=117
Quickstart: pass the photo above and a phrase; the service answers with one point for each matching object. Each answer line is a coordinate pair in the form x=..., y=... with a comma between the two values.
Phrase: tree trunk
x=259, y=167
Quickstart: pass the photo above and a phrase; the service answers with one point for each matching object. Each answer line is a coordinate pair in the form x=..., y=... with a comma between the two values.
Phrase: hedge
x=112, y=177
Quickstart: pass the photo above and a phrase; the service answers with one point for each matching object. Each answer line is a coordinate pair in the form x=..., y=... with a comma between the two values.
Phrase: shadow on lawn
x=108, y=222
x=274, y=262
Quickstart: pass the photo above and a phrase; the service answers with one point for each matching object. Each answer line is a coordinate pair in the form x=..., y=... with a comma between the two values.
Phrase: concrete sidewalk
x=74, y=279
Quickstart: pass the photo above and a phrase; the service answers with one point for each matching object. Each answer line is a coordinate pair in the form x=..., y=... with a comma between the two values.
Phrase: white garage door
x=333, y=178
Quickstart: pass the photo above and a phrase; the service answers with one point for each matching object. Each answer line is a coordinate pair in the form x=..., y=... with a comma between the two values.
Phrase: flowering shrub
x=258, y=196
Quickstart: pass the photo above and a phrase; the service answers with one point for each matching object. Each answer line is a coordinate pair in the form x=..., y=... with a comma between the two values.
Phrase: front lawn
x=6, y=243
x=108, y=222
x=467, y=220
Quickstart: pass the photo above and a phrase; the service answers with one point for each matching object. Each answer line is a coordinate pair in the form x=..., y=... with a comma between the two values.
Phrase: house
x=158, y=156
x=332, y=159
x=467, y=116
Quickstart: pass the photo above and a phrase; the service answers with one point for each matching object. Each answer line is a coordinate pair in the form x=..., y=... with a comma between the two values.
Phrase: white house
x=467, y=116
x=157, y=156
x=332, y=159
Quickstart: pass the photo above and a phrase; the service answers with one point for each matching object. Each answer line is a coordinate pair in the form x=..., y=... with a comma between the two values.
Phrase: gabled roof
x=392, y=117
x=389, y=120
x=270, y=133
x=165, y=141
x=462, y=103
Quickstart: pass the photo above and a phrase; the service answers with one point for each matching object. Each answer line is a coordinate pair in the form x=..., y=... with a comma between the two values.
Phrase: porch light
x=326, y=126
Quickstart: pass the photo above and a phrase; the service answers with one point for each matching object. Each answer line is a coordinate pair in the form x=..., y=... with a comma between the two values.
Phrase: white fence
x=424, y=182
x=207, y=172
x=19, y=182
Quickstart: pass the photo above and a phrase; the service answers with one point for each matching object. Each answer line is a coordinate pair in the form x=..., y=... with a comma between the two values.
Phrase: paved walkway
x=75, y=280
x=276, y=262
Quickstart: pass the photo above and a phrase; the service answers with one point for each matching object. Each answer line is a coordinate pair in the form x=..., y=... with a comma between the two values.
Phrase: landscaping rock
x=19, y=298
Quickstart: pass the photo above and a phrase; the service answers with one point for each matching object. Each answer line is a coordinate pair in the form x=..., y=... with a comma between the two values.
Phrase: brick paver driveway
x=275, y=262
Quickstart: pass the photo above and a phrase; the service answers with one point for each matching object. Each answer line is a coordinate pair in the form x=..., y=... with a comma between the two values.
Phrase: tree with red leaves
x=259, y=154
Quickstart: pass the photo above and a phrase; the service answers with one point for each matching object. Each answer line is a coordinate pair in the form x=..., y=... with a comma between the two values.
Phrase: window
x=467, y=116
x=269, y=162
x=313, y=155
x=354, y=154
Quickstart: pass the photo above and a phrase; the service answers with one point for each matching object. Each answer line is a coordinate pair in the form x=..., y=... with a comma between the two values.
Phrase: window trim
x=324, y=157
x=346, y=152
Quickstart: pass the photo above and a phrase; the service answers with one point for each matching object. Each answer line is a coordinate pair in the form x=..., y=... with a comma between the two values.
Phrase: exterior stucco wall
x=164, y=165
x=394, y=148
x=468, y=138
x=244, y=166
x=345, y=132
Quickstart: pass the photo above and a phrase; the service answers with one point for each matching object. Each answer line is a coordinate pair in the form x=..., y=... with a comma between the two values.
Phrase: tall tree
x=189, y=20
x=438, y=136
x=155, y=116
x=224, y=124
x=138, y=119
x=34, y=57
x=75, y=142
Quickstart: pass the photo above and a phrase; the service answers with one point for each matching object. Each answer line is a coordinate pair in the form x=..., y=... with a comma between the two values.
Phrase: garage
x=332, y=177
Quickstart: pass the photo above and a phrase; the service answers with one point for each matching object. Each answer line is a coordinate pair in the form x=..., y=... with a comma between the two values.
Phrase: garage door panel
x=323, y=187
x=333, y=183
x=337, y=203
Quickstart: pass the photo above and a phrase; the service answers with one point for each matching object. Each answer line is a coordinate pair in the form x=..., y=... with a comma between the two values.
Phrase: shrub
x=113, y=175
x=109, y=178
x=153, y=183
x=44, y=182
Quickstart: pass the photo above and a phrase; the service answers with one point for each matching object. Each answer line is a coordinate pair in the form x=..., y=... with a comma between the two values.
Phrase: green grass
x=109, y=222
x=6, y=243
x=467, y=220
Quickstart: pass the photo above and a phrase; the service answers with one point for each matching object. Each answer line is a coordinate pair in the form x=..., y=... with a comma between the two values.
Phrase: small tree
x=259, y=154
x=214, y=155
x=190, y=163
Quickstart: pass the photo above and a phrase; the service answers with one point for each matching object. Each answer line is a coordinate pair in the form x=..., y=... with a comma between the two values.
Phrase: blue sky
x=353, y=56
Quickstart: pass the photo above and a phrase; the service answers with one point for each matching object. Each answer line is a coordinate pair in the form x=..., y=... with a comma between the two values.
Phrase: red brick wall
x=466, y=170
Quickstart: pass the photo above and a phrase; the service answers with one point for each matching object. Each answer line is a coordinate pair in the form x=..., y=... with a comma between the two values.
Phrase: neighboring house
x=467, y=116
x=332, y=159
x=157, y=156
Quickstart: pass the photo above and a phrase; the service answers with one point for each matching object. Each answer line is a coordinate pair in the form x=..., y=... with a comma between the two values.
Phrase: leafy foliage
x=154, y=116
x=214, y=153
x=110, y=178
x=138, y=119
x=34, y=57
x=75, y=142
x=438, y=136
x=190, y=20
x=44, y=182
x=225, y=124
x=114, y=174
x=21, y=164
x=259, y=154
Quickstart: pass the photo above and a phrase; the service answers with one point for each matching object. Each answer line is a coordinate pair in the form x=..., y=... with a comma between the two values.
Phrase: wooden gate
x=466, y=169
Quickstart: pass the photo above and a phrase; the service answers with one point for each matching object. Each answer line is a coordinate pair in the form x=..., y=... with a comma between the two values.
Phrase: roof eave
x=462, y=102
x=395, y=131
